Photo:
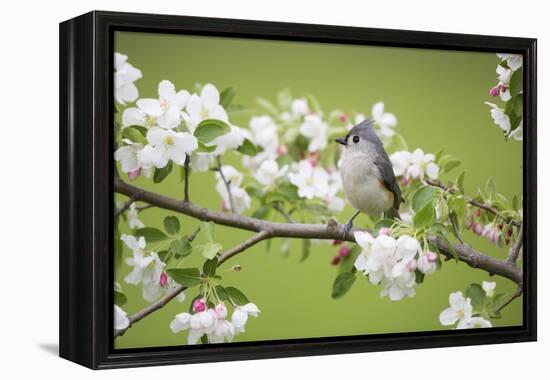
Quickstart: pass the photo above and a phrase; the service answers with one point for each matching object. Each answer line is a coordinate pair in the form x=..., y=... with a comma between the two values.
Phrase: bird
x=367, y=174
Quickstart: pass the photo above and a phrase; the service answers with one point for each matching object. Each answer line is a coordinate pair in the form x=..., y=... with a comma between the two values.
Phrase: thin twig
x=227, y=185
x=516, y=248
x=454, y=223
x=516, y=294
x=475, y=203
x=134, y=318
x=126, y=205
x=144, y=207
x=186, y=179
x=285, y=215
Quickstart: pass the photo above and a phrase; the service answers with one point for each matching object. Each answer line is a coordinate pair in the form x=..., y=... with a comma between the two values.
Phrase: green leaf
x=132, y=134
x=210, y=250
x=451, y=164
x=288, y=190
x=476, y=293
x=236, y=296
x=151, y=234
x=313, y=104
x=185, y=276
x=119, y=247
x=491, y=187
x=120, y=298
x=284, y=98
x=515, y=202
x=285, y=247
x=424, y=217
x=209, y=267
x=262, y=212
x=347, y=263
x=422, y=197
x=342, y=284
x=516, y=82
x=222, y=293
x=460, y=181
x=171, y=225
x=205, y=149
x=267, y=106
x=459, y=206
x=419, y=277
x=306, y=245
x=449, y=247
x=518, y=104
x=248, y=148
x=163, y=255
x=161, y=174
x=210, y=129
x=181, y=247
x=207, y=231
x=226, y=96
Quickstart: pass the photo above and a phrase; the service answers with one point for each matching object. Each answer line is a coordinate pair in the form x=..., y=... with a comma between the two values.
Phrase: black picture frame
x=86, y=188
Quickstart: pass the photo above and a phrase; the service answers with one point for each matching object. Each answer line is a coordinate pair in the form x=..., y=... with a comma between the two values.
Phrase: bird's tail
x=392, y=213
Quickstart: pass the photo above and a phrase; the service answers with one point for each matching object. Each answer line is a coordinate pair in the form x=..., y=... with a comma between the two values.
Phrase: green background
x=437, y=97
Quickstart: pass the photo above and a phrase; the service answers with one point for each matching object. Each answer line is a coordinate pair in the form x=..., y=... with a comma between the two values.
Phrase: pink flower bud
x=343, y=117
x=336, y=260
x=220, y=310
x=336, y=242
x=282, y=150
x=478, y=212
x=385, y=231
x=344, y=251
x=477, y=228
x=495, y=91
x=432, y=257
x=199, y=305
x=405, y=180
x=509, y=232
x=163, y=279
x=134, y=174
x=411, y=266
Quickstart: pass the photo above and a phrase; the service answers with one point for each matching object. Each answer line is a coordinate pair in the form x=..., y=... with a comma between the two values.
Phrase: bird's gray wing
x=385, y=168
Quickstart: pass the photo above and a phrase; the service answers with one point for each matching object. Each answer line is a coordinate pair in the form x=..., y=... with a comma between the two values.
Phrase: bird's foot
x=346, y=228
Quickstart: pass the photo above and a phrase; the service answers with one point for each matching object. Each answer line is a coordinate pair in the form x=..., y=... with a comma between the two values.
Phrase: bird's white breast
x=362, y=183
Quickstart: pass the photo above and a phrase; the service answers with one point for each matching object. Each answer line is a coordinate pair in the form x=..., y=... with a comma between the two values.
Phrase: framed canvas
x=236, y=189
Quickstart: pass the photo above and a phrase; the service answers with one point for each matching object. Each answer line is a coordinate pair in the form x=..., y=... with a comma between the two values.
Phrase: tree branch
x=227, y=185
x=475, y=203
x=516, y=248
x=177, y=290
x=126, y=205
x=330, y=231
x=186, y=179
x=516, y=294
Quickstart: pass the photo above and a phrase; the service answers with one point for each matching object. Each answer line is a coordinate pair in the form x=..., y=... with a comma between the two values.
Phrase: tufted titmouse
x=367, y=174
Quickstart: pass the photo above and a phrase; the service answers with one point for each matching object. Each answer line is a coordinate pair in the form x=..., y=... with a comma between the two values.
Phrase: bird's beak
x=341, y=140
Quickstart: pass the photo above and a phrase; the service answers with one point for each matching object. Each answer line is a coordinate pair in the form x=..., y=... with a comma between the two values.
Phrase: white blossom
x=310, y=181
x=414, y=165
x=499, y=117
x=240, y=315
x=269, y=172
x=164, y=112
x=514, y=61
x=333, y=201
x=204, y=106
x=229, y=141
x=316, y=130
x=299, y=107
x=517, y=133
x=133, y=217
x=121, y=320
x=389, y=262
x=166, y=145
x=131, y=161
x=264, y=132
x=504, y=76
x=201, y=162
x=460, y=309
x=473, y=323
x=489, y=288
x=385, y=121
x=241, y=199
x=147, y=268
x=125, y=76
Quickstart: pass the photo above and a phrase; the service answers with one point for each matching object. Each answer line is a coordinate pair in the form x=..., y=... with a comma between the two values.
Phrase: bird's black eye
x=355, y=139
